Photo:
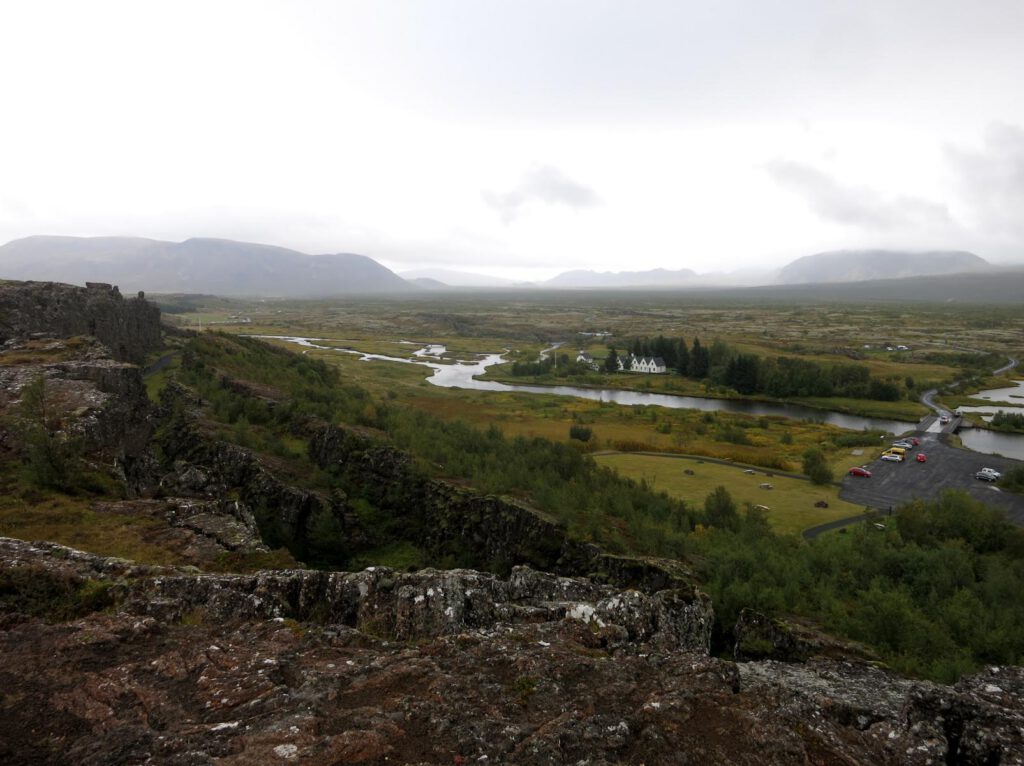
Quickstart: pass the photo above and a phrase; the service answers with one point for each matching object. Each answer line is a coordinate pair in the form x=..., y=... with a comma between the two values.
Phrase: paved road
x=811, y=533
x=933, y=424
x=1006, y=368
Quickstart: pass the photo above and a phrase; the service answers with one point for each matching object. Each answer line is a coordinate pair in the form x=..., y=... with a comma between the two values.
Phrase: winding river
x=463, y=375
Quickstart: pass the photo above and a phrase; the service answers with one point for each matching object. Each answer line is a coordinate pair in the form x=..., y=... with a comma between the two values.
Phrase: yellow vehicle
x=896, y=451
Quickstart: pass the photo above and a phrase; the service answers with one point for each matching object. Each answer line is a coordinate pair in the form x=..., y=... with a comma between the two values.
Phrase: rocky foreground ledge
x=442, y=667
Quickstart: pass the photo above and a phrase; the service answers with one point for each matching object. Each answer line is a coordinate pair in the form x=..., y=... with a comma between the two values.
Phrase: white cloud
x=543, y=184
x=853, y=205
x=992, y=180
x=373, y=127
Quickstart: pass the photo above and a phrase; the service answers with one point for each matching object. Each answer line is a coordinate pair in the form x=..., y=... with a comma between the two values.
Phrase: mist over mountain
x=860, y=265
x=426, y=283
x=653, y=277
x=220, y=266
x=455, y=278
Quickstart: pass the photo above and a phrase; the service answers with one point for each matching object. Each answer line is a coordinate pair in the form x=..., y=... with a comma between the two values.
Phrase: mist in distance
x=520, y=141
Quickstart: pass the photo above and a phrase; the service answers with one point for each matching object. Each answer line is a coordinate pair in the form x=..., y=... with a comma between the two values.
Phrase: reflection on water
x=1000, y=398
x=462, y=375
x=993, y=442
x=1011, y=394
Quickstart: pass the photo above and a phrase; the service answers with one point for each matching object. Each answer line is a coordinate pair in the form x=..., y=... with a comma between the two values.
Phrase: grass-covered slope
x=936, y=593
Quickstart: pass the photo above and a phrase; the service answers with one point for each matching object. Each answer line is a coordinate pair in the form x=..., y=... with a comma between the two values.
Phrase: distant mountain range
x=860, y=265
x=654, y=277
x=230, y=268
x=220, y=266
x=452, y=278
x=997, y=285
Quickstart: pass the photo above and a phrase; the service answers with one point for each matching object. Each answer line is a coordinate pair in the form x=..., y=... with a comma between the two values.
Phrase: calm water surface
x=463, y=375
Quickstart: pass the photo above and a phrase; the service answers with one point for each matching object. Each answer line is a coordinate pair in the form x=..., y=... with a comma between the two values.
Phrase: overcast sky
x=520, y=138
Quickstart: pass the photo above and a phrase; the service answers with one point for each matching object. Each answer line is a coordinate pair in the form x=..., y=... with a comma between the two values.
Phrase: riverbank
x=674, y=385
x=472, y=376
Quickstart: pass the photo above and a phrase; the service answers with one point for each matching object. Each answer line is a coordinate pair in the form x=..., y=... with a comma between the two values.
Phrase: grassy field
x=790, y=501
x=73, y=521
x=524, y=323
x=772, y=442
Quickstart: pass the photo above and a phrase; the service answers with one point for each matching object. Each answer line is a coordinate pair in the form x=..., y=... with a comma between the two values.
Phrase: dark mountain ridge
x=221, y=266
x=861, y=265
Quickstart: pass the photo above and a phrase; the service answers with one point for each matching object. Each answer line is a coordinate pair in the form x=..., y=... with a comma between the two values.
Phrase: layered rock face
x=88, y=394
x=130, y=328
x=495, y=532
x=578, y=658
x=442, y=667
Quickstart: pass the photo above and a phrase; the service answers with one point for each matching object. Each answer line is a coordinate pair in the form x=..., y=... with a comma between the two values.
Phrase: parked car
x=922, y=458
x=986, y=476
x=892, y=457
x=858, y=471
x=913, y=440
x=989, y=472
x=903, y=444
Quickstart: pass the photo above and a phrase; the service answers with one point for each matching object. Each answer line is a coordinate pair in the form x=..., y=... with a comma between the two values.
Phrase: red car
x=922, y=458
x=914, y=440
x=858, y=471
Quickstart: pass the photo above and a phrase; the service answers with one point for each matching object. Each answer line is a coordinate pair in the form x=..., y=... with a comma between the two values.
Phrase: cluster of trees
x=936, y=592
x=787, y=377
x=594, y=502
x=773, y=376
x=580, y=432
x=560, y=364
x=1013, y=479
x=692, y=361
x=816, y=467
x=1008, y=421
x=304, y=387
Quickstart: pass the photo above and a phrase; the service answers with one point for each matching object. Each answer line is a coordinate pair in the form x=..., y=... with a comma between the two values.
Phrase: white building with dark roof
x=647, y=364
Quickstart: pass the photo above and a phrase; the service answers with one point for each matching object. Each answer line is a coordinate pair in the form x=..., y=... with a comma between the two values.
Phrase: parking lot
x=892, y=484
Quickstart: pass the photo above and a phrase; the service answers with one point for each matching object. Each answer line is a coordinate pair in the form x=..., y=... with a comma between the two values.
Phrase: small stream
x=463, y=375
x=1008, y=399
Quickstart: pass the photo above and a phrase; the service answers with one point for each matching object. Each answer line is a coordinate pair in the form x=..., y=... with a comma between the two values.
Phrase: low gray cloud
x=855, y=205
x=993, y=179
x=545, y=184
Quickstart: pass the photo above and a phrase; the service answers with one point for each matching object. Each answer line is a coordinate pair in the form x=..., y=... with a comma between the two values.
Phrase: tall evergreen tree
x=682, y=357
x=700, y=360
x=611, y=362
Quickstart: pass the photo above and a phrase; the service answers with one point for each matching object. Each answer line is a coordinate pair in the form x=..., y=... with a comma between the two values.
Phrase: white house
x=647, y=364
x=584, y=358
